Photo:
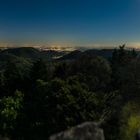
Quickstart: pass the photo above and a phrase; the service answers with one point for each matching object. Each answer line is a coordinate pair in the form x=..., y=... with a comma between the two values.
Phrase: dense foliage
x=40, y=97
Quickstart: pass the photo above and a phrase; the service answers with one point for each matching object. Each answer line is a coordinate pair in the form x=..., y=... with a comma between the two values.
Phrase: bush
x=130, y=121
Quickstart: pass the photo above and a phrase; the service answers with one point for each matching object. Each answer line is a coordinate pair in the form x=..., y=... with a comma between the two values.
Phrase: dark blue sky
x=78, y=22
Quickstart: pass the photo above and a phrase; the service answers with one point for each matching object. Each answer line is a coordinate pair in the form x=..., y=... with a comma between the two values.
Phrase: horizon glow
x=86, y=23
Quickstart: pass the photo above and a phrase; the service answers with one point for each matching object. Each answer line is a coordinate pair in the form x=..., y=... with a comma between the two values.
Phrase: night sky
x=73, y=22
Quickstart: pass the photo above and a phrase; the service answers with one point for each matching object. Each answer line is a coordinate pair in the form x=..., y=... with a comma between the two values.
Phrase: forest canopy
x=41, y=96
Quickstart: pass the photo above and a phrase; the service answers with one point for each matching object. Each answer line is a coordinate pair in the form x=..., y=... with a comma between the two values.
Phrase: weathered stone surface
x=85, y=131
x=4, y=138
